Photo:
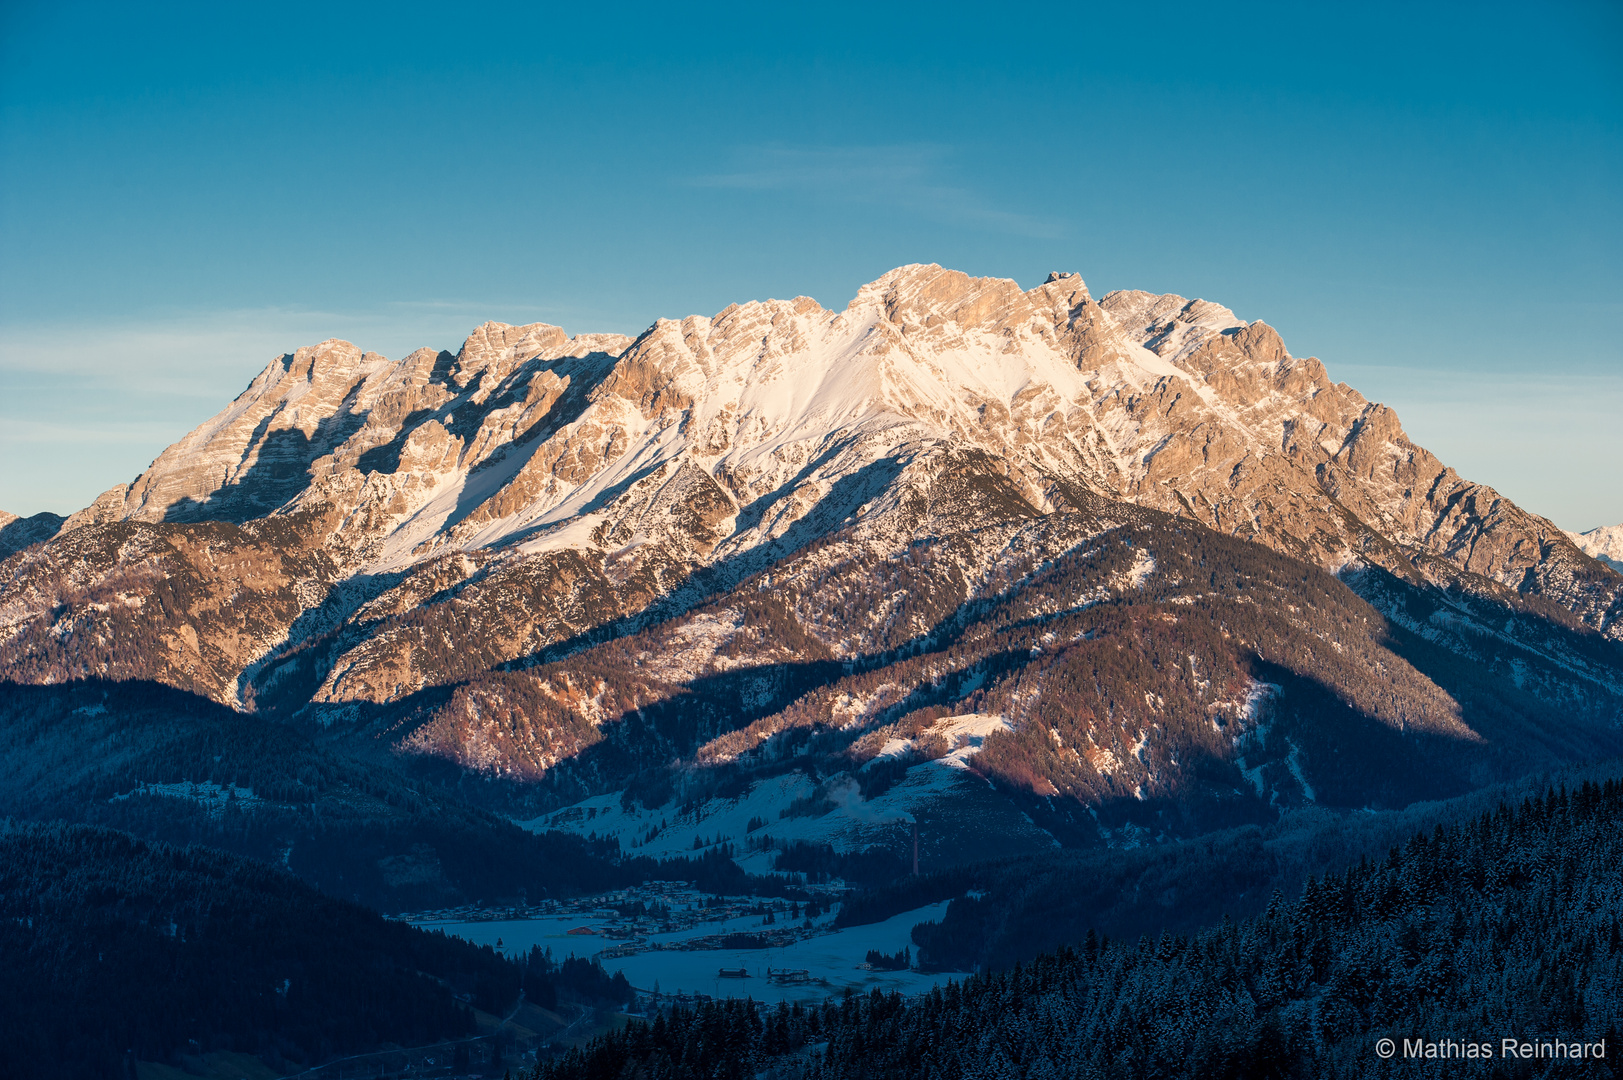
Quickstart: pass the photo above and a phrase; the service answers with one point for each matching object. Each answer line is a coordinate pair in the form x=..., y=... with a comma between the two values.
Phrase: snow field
x=851, y=824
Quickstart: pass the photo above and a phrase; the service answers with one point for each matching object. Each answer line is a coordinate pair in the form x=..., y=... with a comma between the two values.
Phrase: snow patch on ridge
x=966, y=734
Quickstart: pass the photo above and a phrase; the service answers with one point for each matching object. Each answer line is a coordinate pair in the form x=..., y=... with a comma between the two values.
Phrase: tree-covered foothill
x=1506, y=924
x=360, y=830
x=111, y=945
x=1228, y=682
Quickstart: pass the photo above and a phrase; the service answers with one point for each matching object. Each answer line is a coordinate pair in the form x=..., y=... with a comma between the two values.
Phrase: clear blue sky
x=1429, y=198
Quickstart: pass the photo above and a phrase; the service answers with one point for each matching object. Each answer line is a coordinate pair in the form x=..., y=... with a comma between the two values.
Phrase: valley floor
x=679, y=965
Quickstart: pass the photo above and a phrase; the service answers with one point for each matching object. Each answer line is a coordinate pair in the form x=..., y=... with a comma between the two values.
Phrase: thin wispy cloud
x=179, y=342
x=106, y=431
x=911, y=177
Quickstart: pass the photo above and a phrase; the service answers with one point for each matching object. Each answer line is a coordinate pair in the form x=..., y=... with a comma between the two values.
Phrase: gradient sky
x=1428, y=198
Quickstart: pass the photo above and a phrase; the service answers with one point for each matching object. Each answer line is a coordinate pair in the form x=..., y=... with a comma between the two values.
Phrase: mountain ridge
x=1239, y=379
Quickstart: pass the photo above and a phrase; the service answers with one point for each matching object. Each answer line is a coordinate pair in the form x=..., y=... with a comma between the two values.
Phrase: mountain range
x=1040, y=568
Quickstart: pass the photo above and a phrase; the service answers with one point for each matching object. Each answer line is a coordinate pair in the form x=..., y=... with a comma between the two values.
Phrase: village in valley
x=676, y=943
x=657, y=916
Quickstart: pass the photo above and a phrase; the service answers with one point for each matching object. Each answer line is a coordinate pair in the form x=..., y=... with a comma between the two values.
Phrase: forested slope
x=110, y=945
x=170, y=766
x=1502, y=926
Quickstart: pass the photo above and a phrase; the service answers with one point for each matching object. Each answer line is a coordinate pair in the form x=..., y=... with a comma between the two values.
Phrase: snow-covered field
x=832, y=958
x=846, y=820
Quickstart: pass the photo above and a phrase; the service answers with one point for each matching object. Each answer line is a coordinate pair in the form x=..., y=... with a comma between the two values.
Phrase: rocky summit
x=574, y=562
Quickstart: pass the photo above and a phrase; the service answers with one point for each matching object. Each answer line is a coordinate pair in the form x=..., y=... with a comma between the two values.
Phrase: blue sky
x=1429, y=198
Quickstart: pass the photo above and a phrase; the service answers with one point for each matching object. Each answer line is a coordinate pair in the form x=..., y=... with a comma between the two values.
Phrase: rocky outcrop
x=1328, y=475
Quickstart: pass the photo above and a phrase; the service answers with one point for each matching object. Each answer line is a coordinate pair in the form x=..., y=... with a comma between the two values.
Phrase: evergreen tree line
x=1504, y=925
x=543, y=979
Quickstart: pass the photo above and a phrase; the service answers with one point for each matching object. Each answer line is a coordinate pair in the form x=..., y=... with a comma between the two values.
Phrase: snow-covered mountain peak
x=1604, y=544
x=925, y=297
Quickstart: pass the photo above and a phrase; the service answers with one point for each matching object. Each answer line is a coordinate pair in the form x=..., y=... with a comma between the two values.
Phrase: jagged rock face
x=191, y=606
x=1325, y=474
x=533, y=490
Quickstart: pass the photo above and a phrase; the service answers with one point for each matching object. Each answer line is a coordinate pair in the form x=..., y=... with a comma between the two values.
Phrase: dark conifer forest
x=115, y=950
x=111, y=945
